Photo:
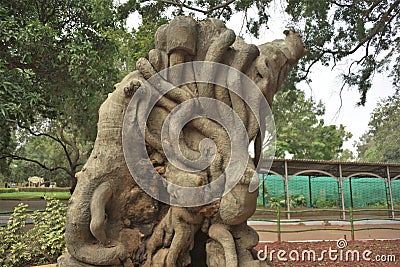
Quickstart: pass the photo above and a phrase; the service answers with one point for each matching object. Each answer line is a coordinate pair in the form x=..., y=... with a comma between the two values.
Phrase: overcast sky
x=326, y=83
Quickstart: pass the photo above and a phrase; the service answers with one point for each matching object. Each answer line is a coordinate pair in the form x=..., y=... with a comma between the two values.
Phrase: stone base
x=66, y=260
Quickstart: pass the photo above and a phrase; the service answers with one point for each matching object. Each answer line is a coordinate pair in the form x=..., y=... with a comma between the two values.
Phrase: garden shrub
x=294, y=201
x=41, y=243
x=43, y=189
x=8, y=190
x=298, y=201
x=326, y=203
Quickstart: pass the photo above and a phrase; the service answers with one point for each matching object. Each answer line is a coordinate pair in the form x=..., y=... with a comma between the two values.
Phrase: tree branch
x=182, y=5
x=16, y=157
x=379, y=25
x=371, y=8
x=204, y=11
x=23, y=66
x=312, y=64
x=223, y=5
x=72, y=145
x=39, y=134
x=63, y=142
x=341, y=5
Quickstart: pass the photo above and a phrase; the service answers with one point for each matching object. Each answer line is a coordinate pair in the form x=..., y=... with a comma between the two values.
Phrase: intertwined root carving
x=112, y=222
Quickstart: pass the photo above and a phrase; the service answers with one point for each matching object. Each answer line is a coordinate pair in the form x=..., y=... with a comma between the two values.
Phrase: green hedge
x=43, y=189
x=34, y=189
x=8, y=190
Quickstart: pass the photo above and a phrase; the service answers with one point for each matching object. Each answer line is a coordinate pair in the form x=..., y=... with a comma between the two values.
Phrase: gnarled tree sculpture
x=112, y=220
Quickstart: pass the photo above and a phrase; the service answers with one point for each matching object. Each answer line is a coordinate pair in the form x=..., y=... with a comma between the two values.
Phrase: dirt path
x=347, y=254
x=328, y=234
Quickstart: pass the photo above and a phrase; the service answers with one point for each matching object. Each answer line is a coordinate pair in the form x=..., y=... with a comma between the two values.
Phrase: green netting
x=320, y=192
x=274, y=188
x=299, y=187
x=366, y=192
x=396, y=193
x=323, y=192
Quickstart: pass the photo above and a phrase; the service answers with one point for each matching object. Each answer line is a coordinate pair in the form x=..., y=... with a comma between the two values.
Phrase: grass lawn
x=34, y=195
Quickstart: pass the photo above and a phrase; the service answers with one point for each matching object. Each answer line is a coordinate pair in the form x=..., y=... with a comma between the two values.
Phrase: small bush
x=326, y=203
x=8, y=190
x=294, y=201
x=298, y=201
x=43, y=189
x=275, y=202
x=379, y=204
x=43, y=243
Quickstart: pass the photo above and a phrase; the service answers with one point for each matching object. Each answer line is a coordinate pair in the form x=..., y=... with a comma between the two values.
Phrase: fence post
x=263, y=189
x=390, y=192
x=351, y=224
x=287, y=190
x=278, y=223
x=351, y=193
x=342, y=192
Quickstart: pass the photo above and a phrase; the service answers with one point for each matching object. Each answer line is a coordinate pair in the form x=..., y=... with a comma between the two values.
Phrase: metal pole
x=351, y=194
x=309, y=190
x=342, y=191
x=390, y=191
x=351, y=224
x=263, y=189
x=287, y=190
x=278, y=223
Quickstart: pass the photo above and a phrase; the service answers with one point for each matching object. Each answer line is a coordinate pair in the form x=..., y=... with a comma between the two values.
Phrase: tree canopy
x=300, y=131
x=362, y=34
x=381, y=143
x=57, y=63
x=49, y=47
x=59, y=60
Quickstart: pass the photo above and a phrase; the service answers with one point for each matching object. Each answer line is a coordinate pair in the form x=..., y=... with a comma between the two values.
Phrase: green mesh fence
x=396, y=193
x=324, y=192
x=366, y=192
x=274, y=189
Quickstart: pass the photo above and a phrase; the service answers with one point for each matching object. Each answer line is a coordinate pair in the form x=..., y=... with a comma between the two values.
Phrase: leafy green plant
x=297, y=201
x=275, y=202
x=326, y=203
x=294, y=201
x=378, y=204
x=42, y=243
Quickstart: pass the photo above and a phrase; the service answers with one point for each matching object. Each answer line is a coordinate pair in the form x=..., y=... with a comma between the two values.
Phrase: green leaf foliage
x=362, y=34
x=41, y=243
x=301, y=132
x=58, y=62
x=381, y=143
x=60, y=59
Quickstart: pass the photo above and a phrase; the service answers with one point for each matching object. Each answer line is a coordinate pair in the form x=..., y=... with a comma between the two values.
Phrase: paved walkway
x=339, y=232
x=323, y=234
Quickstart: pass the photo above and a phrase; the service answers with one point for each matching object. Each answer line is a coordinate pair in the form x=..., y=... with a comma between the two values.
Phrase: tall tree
x=381, y=143
x=53, y=152
x=57, y=63
x=300, y=130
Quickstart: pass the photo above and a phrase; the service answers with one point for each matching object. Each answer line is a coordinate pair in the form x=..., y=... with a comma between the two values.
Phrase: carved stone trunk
x=112, y=220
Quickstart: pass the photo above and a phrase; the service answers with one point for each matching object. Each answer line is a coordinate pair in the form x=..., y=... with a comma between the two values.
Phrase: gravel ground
x=334, y=253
